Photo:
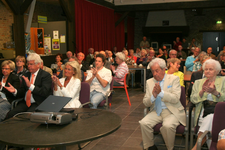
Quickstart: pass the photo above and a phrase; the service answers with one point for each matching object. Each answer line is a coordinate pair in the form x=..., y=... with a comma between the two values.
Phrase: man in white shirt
x=99, y=79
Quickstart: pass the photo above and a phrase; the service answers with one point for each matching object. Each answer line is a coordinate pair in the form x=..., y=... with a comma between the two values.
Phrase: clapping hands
x=156, y=90
x=94, y=71
x=208, y=87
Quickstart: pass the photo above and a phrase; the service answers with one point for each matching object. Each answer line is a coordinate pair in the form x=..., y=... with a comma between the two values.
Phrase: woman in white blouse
x=69, y=85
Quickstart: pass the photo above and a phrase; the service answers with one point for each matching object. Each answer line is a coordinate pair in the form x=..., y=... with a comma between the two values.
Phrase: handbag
x=209, y=107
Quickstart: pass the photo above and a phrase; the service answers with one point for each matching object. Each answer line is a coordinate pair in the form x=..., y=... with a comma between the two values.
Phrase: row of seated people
x=162, y=96
x=35, y=84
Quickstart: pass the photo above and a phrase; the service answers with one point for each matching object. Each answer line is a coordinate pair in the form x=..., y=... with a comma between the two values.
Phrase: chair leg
x=128, y=98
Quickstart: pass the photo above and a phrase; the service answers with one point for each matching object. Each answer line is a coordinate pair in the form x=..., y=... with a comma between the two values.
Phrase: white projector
x=58, y=118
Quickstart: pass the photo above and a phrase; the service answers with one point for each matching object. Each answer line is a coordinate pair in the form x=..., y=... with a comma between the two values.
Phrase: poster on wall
x=56, y=34
x=47, y=46
x=62, y=38
x=55, y=44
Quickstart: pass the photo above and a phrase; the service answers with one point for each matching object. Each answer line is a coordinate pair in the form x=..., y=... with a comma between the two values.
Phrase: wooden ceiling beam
x=66, y=10
x=121, y=18
x=25, y=6
x=13, y=7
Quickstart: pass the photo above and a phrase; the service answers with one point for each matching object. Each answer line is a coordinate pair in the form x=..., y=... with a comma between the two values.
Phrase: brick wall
x=53, y=13
x=6, y=20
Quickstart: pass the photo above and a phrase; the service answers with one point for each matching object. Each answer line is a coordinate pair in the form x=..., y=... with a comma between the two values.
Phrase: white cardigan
x=71, y=90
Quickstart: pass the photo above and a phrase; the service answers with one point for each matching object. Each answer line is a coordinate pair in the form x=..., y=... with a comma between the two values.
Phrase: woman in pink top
x=121, y=70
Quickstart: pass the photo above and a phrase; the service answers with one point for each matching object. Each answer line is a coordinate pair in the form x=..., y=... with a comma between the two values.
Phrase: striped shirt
x=120, y=72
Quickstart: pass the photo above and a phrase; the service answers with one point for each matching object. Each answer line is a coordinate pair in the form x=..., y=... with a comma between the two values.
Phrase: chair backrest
x=111, y=84
x=218, y=121
x=84, y=93
x=183, y=97
x=126, y=79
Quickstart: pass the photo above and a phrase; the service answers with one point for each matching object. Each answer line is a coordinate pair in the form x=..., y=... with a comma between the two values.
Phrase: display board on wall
x=49, y=27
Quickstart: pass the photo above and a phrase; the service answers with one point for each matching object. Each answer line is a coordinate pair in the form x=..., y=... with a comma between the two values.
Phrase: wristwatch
x=218, y=95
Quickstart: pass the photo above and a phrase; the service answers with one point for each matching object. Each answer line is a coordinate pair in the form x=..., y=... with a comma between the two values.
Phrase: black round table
x=89, y=125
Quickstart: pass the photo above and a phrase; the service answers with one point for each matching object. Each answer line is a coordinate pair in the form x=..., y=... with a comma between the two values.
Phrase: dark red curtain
x=95, y=27
x=120, y=33
x=130, y=33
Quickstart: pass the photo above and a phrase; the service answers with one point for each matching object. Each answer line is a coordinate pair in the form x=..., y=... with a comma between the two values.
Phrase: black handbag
x=209, y=107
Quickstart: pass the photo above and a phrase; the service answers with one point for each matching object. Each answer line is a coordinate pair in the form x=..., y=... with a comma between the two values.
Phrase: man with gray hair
x=35, y=87
x=163, y=97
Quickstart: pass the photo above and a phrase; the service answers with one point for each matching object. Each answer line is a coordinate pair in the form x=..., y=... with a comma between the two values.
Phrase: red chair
x=124, y=87
x=184, y=130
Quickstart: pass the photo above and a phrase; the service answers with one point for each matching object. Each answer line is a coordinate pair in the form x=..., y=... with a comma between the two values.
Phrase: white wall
x=175, y=17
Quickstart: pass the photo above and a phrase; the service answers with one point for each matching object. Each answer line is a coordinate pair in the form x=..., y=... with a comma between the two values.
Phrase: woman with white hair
x=205, y=94
x=70, y=84
x=143, y=57
x=121, y=70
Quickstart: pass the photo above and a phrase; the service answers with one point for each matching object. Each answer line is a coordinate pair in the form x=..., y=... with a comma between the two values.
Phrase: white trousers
x=168, y=129
x=205, y=124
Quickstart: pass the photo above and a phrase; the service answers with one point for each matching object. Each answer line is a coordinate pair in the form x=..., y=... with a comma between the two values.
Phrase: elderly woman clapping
x=121, y=70
x=205, y=94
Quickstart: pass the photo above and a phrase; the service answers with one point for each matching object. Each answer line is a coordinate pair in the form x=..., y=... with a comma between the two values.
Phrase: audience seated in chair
x=127, y=59
x=196, y=75
x=121, y=70
x=83, y=65
x=163, y=97
x=20, y=69
x=99, y=79
x=69, y=85
x=35, y=88
x=68, y=55
x=223, y=64
x=58, y=66
x=110, y=58
x=90, y=56
x=173, y=65
x=189, y=63
x=45, y=68
x=210, y=53
x=7, y=77
x=198, y=62
x=205, y=94
x=142, y=58
x=107, y=63
x=131, y=56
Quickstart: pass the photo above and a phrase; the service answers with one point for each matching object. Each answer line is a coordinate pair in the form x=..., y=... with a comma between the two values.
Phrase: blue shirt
x=189, y=63
x=161, y=94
